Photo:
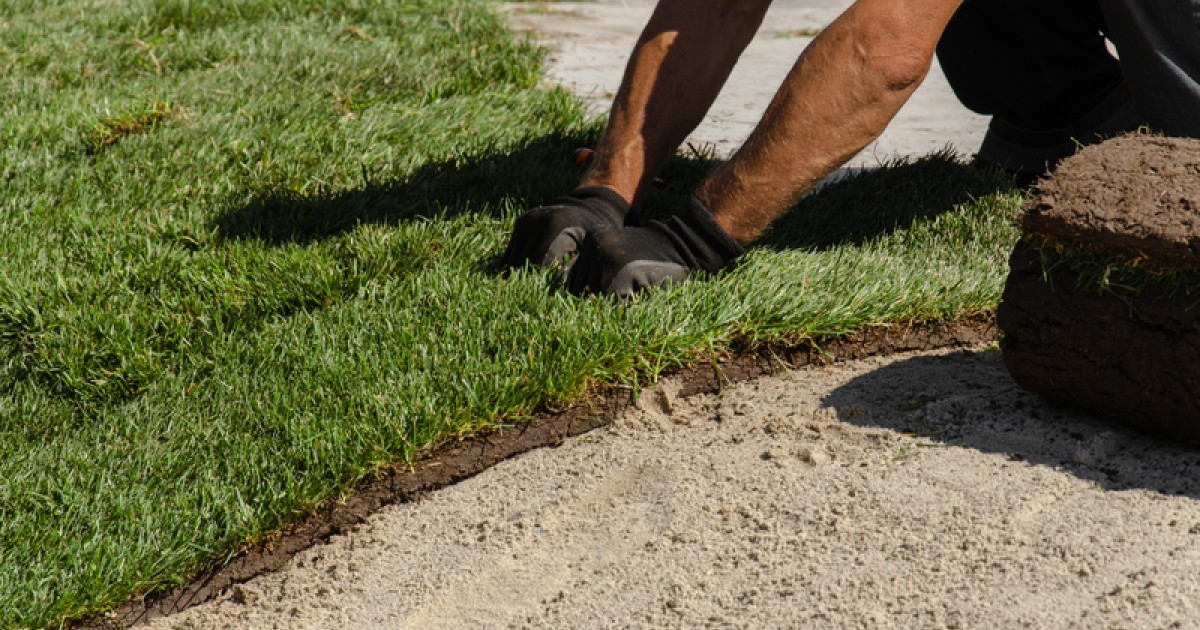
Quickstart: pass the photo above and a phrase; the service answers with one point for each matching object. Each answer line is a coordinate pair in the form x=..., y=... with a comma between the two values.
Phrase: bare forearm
x=840, y=95
x=677, y=69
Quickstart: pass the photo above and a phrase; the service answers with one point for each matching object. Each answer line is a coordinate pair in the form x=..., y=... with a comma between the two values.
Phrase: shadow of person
x=854, y=208
x=868, y=203
x=532, y=173
x=968, y=399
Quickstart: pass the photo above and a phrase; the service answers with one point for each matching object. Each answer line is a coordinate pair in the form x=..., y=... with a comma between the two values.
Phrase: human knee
x=1159, y=48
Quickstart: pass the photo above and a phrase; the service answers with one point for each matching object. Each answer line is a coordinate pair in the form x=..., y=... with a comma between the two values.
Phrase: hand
x=550, y=234
x=623, y=261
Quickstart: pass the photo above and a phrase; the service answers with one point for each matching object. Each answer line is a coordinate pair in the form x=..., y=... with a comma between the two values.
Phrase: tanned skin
x=838, y=97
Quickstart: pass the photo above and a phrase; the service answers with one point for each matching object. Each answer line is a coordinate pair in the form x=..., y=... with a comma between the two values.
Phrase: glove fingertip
x=563, y=245
x=573, y=282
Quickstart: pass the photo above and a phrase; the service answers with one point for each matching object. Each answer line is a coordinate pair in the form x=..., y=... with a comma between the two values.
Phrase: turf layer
x=249, y=257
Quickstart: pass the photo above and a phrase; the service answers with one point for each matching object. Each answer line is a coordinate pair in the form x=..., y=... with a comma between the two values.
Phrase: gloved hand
x=550, y=234
x=623, y=261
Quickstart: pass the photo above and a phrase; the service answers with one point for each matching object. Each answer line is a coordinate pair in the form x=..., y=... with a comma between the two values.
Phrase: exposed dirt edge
x=1131, y=358
x=456, y=461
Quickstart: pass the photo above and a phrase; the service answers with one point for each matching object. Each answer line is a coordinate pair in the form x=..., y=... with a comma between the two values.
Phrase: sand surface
x=918, y=490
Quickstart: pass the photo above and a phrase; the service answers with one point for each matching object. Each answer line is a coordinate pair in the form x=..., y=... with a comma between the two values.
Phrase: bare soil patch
x=913, y=490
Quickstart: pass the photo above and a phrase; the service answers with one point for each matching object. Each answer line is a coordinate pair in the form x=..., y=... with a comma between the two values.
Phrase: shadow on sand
x=968, y=399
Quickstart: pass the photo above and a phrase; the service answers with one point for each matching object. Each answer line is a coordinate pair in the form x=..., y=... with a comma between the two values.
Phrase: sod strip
x=248, y=258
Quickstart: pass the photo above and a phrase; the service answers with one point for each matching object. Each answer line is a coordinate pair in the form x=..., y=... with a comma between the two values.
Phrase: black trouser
x=1042, y=70
x=1036, y=66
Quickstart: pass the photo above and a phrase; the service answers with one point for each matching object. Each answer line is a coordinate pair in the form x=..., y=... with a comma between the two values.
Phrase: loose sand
x=918, y=490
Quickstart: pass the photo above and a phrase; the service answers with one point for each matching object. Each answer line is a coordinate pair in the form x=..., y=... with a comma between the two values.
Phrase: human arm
x=679, y=64
x=840, y=95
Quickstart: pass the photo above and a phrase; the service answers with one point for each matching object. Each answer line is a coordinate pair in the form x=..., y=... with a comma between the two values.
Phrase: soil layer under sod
x=1102, y=306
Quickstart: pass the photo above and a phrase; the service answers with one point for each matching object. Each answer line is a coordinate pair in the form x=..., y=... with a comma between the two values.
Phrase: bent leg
x=1159, y=45
x=680, y=63
x=1042, y=70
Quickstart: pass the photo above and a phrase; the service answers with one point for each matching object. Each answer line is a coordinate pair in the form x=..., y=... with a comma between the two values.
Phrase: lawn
x=249, y=257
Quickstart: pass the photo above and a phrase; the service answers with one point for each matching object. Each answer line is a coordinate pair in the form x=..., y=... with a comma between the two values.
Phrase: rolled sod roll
x=1102, y=304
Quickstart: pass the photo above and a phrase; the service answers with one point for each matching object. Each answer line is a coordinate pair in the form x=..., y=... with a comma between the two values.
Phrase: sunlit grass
x=249, y=257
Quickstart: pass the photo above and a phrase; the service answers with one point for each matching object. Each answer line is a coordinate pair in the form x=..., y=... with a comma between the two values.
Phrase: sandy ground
x=910, y=491
x=919, y=490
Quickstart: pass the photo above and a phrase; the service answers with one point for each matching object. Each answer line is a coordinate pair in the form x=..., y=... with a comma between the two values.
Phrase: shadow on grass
x=863, y=205
x=968, y=399
x=528, y=175
x=855, y=208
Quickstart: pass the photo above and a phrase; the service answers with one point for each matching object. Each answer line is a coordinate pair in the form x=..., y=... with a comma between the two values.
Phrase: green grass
x=1106, y=272
x=109, y=131
x=248, y=257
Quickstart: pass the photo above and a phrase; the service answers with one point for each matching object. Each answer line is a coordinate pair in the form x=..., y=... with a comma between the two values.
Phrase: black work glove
x=623, y=261
x=550, y=234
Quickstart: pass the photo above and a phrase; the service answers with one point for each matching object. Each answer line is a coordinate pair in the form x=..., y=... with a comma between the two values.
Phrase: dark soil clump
x=1102, y=305
x=1136, y=196
x=1135, y=359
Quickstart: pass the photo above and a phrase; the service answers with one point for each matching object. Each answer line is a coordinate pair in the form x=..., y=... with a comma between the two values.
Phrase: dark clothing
x=1042, y=70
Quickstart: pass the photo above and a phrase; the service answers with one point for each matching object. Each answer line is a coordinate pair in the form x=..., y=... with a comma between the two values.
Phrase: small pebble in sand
x=815, y=455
